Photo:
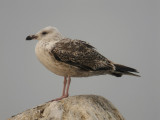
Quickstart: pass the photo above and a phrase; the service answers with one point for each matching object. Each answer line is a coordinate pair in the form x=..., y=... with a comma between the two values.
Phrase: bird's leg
x=64, y=85
x=68, y=84
x=64, y=93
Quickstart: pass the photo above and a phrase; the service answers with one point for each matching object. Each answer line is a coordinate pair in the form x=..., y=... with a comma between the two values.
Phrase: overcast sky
x=125, y=31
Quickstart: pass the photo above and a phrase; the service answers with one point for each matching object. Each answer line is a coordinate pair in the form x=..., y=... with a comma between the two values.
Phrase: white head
x=47, y=33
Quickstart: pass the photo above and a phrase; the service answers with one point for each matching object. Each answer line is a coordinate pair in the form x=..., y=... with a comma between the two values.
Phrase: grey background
x=125, y=31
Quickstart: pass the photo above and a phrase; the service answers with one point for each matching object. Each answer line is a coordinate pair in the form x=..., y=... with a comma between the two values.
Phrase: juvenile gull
x=73, y=58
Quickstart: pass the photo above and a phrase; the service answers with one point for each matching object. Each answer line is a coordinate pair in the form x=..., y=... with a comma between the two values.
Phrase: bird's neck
x=58, y=36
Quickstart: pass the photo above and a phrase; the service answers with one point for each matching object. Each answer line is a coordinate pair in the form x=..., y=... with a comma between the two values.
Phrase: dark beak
x=31, y=37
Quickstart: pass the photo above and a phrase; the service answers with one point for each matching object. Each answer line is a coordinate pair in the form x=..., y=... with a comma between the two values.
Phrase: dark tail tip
x=122, y=68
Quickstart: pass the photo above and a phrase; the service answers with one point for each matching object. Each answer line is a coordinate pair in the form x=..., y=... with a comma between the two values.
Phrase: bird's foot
x=60, y=98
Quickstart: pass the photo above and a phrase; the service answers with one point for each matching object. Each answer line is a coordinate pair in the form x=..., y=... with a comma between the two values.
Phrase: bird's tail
x=124, y=70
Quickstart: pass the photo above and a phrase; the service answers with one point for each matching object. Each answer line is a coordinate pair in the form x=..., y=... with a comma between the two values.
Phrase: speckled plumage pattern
x=80, y=54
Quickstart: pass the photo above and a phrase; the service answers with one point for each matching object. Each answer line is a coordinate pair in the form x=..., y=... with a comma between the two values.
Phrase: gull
x=73, y=58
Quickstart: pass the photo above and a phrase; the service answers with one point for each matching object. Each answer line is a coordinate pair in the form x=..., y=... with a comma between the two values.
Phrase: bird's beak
x=31, y=37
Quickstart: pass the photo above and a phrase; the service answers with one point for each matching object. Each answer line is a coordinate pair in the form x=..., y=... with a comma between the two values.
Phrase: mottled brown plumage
x=80, y=54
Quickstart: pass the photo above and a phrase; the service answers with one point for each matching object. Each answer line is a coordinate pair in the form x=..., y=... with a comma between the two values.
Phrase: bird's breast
x=42, y=51
x=43, y=54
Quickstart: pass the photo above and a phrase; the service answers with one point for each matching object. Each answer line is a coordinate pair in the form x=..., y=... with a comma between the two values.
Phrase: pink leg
x=69, y=81
x=64, y=85
x=65, y=93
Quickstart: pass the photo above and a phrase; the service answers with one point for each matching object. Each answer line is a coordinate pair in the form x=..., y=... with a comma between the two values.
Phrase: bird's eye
x=44, y=33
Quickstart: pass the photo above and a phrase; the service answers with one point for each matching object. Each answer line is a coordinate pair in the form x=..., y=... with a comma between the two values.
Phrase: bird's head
x=45, y=34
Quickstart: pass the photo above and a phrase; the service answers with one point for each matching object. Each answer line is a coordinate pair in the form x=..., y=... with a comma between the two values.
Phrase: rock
x=81, y=107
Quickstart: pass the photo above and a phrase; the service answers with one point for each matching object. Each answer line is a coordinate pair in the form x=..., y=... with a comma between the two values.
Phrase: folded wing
x=80, y=54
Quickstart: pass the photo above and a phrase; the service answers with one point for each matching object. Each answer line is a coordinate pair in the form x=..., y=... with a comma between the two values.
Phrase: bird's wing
x=80, y=54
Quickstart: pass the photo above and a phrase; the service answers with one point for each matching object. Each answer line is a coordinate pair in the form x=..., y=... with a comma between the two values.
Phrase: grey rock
x=81, y=107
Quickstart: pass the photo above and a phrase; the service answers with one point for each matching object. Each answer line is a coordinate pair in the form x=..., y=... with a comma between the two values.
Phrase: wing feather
x=80, y=54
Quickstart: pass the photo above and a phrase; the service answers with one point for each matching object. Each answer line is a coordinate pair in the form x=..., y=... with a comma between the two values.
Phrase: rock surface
x=81, y=107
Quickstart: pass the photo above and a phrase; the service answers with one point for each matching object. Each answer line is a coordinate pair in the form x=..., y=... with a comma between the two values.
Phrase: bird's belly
x=58, y=67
